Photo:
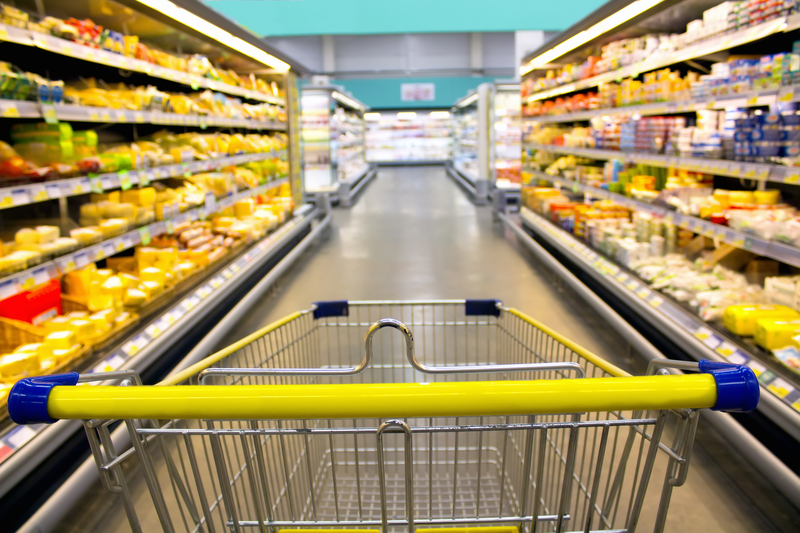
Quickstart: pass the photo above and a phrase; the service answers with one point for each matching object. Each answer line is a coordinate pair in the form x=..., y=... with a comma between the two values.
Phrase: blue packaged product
x=791, y=119
x=759, y=134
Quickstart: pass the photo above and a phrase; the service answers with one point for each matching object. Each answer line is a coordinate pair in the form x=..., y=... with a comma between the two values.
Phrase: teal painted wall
x=346, y=17
x=384, y=93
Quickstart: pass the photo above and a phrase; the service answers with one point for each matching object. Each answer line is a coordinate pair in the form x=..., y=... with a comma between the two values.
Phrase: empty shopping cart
x=402, y=416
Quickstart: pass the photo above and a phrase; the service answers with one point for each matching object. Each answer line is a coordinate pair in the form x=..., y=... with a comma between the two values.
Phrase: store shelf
x=773, y=380
x=704, y=48
x=76, y=113
x=19, y=195
x=138, y=351
x=21, y=281
x=350, y=156
x=718, y=167
x=750, y=99
x=110, y=59
x=784, y=253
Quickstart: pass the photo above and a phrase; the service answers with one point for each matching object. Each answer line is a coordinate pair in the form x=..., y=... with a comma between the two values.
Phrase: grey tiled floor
x=413, y=235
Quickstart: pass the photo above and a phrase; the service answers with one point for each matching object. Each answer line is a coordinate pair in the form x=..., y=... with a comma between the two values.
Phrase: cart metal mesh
x=559, y=472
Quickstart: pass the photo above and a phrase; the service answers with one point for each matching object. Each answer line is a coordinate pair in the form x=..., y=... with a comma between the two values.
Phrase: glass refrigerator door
x=316, y=121
x=507, y=140
x=348, y=144
x=466, y=143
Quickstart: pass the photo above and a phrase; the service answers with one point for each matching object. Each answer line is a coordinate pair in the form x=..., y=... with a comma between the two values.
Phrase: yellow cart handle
x=45, y=399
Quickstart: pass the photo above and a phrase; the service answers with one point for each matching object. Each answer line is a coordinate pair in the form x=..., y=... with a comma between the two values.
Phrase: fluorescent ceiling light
x=406, y=115
x=623, y=15
x=372, y=116
x=440, y=114
x=346, y=100
x=468, y=100
x=206, y=28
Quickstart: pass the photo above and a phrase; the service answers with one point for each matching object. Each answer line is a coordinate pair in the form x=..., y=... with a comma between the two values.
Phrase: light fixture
x=201, y=25
x=346, y=100
x=440, y=114
x=612, y=21
x=468, y=100
x=406, y=115
x=372, y=116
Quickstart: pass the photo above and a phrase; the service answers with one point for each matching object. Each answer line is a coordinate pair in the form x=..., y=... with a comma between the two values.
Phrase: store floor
x=413, y=234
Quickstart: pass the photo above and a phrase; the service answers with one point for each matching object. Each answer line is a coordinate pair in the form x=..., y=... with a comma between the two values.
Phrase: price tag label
x=3, y=33
x=703, y=333
x=124, y=180
x=37, y=193
x=145, y=177
x=787, y=96
x=185, y=170
x=752, y=101
x=131, y=348
x=756, y=367
x=792, y=177
x=154, y=330
x=780, y=387
x=49, y=114
x=144, y=234
x=40, y=275
x=216, y=282
x=170, y=226
x=10, y=111
x=53, y=190
x=726, y=349
x=105, y=116
x=95, y=184
x=631, y=284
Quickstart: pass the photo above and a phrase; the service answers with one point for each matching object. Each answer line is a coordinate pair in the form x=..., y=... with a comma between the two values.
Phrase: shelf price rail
x=19, y=195
x=617, y=279
x=719, y=167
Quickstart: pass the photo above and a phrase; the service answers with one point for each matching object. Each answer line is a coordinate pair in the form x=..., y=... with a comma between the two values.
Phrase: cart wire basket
x=463, y=414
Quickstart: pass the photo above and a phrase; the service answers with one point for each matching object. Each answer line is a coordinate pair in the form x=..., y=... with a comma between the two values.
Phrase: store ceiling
x=353, y=17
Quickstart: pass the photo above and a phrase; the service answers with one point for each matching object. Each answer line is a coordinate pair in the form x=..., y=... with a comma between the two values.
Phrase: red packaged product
x=35, y=305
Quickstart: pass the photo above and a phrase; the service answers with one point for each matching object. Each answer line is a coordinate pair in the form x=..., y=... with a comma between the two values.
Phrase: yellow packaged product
x=129, y=280
x=29, y=348
x=244, y=208
x=60, y=340
x=84, y=329
x=134, y=298
x=145, y=257
x=64, y=355
x=151, y=289
x=26, y=236
x=144, y=197
x=100, y=322
x=224, y=222
x=77, y=315
x=19, y=364
x=112, y=197
x=184, y=268
x=102, y=274
x=166, y=259
x=58, y=323
x=153, y=274
x=78, y=282
x=772, y=334
x=113, y=287
x=48, y=233
x=741, y=319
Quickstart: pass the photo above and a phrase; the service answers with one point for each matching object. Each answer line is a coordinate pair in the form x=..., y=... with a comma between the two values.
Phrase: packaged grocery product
x=61, y=340
x=19, y=365
x=83, y=329
x=741, y=319
x=134, y=298
x=772, y=334
x=151, y=288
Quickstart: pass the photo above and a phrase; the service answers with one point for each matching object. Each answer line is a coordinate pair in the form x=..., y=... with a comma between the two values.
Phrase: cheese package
x=98, y=299
x=29, y=348
x=101, y=322
x=166, y=259
x=185, y=268
x=153, y=274
x=48, y=233
x=83, y=329
x=129, y=280
x=114, y=288
x=102, y=274
x=26, y=236
x=151, y=288
x=76, y=314
x=19, y=364
x=772, y=334
x=78, y=282
x=60, y=340
x=109, y=314
x=134, y=298
x=244, y=208
x=64, y=355
x=58, y=323
x=145, y=257
x=112, y=197
x=144, y=197
x=224, y=222
x=741, y=319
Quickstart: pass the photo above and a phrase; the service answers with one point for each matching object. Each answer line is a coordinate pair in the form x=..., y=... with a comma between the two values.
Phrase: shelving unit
x=59, y=195
x=611, y=104
x=470, y=163
x=333, y=144
x=420, y=137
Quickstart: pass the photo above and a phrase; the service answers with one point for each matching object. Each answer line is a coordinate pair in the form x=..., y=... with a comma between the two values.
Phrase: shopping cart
x=484, y=418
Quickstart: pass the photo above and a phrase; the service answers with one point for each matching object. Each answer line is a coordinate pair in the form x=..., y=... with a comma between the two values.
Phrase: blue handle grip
x=738, y=390
x=27, y=400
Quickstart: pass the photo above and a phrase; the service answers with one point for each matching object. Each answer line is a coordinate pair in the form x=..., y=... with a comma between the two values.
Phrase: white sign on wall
x=417, y=92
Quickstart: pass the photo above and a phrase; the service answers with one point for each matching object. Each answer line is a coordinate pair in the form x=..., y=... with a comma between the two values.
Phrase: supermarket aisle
x=413, y=234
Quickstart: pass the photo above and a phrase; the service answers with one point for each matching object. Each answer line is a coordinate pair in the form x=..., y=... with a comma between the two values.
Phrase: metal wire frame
x=546, y=473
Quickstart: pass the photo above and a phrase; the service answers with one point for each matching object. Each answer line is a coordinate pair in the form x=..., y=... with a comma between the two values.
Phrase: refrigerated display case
x=668, y=179
x=487, y=147
x=420, y=137
x=334, y=159
x=145, y=175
